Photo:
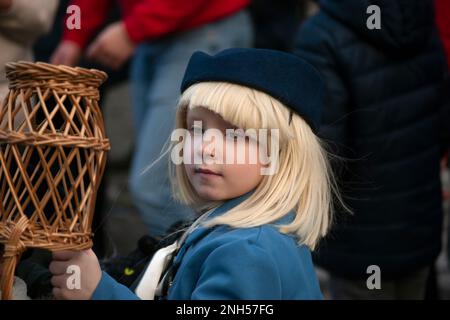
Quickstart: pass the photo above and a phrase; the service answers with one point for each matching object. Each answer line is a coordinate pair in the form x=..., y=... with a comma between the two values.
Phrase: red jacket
x=443, y=22
x=150, y=19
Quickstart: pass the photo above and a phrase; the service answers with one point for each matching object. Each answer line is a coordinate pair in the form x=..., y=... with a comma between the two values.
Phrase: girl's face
x=226, y=179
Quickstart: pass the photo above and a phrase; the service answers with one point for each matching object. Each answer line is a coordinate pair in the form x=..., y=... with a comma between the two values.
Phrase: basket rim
x=39, y=70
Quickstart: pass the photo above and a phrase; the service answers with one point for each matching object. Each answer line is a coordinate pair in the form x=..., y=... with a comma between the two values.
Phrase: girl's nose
x=203, y=149
x=208, y=149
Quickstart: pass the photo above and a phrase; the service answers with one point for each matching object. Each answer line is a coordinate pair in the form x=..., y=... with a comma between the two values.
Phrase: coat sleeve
x=238, y=270
x=315, y=44
x=109, y=289
x=26, y=20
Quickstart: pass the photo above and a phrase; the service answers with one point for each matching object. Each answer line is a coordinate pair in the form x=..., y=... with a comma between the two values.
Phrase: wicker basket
x=52, y=157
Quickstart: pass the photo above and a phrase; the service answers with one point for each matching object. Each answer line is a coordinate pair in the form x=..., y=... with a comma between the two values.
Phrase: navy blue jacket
x=383, y=114
x=241, y=264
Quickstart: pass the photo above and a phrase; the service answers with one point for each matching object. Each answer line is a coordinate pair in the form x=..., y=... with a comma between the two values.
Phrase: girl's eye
x=235, y=135
x=230, y=134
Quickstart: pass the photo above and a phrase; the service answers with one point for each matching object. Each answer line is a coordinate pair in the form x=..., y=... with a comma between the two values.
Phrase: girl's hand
x=76, y=274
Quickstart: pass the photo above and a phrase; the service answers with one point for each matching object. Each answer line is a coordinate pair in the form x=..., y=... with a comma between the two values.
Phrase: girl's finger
x=59, y=281
x=58, y=267
x=64, y=255
x=58, y=293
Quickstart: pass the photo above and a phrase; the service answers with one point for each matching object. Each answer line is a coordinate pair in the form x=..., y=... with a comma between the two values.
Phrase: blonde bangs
x=241, y=106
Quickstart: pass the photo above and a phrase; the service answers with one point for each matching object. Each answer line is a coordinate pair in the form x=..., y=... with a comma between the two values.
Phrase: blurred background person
x=276, y=22
x=384, y=118
x=22, y=22
x=442, y=9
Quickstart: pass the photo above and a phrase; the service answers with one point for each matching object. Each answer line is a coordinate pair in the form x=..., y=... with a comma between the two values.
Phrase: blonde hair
x=304, y=181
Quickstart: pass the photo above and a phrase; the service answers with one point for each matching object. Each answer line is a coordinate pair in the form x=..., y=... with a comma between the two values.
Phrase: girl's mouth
x=206, y=171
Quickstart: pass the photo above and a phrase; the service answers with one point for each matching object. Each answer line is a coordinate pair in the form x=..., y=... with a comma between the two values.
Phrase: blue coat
x=225, y=263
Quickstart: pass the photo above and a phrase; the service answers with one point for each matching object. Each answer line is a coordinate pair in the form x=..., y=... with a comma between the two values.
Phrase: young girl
x=256, y=227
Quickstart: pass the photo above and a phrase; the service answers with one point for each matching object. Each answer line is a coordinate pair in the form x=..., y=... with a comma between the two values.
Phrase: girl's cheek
x=189, y=168
x=235, y=152
x=253, y=153
x=188, y=151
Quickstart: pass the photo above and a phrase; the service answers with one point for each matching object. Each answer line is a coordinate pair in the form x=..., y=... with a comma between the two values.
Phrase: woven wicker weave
x=52, y=157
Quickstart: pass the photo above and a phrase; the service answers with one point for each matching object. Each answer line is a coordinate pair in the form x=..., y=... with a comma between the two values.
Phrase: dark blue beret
x=284, y=76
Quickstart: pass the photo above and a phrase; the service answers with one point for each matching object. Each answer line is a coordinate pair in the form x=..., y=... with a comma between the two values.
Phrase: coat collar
x=201, y=232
